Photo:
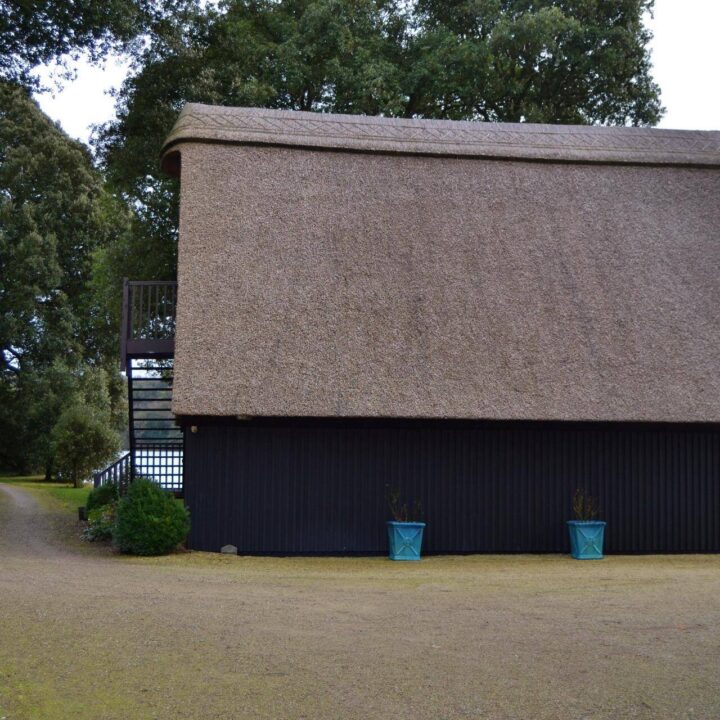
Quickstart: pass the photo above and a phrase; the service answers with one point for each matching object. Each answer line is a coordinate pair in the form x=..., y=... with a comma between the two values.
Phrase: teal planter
x=405, y=539
x=586, y=539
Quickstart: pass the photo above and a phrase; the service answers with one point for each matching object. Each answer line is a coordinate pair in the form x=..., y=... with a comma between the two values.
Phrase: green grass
x=68, y=497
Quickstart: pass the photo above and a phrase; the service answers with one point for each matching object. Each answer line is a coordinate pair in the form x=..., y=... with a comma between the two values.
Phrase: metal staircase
x=147, y=344
x=156, y=442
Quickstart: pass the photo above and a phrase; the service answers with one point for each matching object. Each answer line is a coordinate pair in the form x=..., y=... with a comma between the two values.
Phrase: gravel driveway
x=88, y=634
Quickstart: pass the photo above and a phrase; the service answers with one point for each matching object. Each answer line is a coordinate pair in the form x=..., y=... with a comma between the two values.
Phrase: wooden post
x=131, y=421
x=124, y=325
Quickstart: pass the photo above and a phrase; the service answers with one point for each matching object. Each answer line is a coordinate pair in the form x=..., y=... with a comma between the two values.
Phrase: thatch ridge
x=570, y=143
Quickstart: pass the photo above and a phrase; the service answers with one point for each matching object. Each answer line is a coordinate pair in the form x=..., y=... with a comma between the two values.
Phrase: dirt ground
x=85, y=633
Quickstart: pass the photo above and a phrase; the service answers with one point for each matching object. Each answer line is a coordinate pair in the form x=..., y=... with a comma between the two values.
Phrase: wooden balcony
x=148, y=320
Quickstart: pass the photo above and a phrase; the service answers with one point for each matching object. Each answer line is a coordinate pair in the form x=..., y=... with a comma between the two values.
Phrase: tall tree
x=54, y=215
x=556, y=61
x=33, y=33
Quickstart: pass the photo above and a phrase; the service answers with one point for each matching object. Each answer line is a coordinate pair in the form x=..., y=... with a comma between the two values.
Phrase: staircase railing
x=147, y=347
x=118, y=473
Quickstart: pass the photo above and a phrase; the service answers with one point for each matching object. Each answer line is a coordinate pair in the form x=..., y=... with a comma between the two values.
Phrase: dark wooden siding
x=319, y=486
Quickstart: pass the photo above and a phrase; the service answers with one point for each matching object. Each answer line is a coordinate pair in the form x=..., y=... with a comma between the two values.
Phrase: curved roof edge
x=568, y=143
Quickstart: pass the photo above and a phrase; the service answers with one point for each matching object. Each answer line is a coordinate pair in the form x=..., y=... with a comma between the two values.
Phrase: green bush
x=149, y=520
x=101, y=522
x=102, y=495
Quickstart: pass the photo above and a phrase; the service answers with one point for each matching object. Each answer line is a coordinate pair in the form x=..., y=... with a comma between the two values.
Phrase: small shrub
x=103, y=495
x=101, y=522
x=401, y=511
x=149, y=520
x=584, y=506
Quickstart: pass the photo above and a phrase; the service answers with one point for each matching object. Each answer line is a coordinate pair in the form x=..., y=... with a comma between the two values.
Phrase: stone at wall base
x=228, y=550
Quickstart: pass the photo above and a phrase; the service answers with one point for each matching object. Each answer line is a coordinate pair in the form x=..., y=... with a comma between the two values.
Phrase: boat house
x=484, y=317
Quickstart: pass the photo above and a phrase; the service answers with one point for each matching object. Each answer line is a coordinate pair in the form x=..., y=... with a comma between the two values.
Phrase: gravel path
x=27, y=527
x=88, y=634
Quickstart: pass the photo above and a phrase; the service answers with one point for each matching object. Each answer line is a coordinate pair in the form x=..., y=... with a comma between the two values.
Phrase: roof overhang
x=359, y=133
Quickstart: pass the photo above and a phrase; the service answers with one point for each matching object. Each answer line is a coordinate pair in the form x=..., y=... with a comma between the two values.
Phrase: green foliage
x=149, y=520
x=102, y=495
x=55, y=214
x=37, y=32
x=82, y=441
x=551, y=61
x=555, y=61
x=101, y=522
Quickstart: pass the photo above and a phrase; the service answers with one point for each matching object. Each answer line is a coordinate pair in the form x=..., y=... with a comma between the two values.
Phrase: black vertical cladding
x=319, y=486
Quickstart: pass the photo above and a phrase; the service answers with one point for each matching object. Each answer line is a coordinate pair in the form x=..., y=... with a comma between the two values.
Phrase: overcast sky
x=684, y=54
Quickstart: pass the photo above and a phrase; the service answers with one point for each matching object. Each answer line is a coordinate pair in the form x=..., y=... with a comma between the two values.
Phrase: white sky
x=685, y=62
x=684, y=53
x=84, y=101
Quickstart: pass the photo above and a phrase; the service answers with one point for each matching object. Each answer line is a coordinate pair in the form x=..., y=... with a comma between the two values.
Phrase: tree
x=552, y=61
x=33, y=33
x=555, y=61
x=82, y=441
x=55, y=214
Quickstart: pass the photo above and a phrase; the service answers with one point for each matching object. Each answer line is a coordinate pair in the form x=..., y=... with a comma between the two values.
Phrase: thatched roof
x=349, y=266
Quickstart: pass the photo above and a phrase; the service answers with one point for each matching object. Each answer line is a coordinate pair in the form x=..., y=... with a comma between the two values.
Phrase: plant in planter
x=586, y=533
x=405, y=530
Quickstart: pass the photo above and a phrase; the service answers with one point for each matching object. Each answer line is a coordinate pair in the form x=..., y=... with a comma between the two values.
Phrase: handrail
x=118, y=474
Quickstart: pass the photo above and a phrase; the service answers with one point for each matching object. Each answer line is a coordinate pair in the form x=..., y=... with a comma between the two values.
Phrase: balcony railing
x=148, y=319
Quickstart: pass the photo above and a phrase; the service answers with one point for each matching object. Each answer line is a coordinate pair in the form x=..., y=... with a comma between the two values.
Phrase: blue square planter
x=405, y=539
x=586, y=539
